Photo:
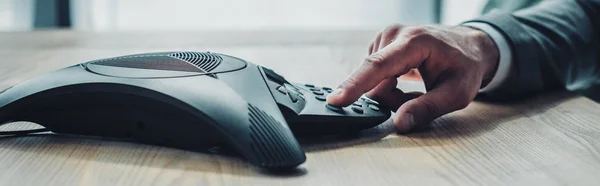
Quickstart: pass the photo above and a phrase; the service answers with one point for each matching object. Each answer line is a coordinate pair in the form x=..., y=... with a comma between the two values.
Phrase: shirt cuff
x=504, y=52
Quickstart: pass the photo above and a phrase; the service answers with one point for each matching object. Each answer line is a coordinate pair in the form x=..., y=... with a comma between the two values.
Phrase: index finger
x=392, y=60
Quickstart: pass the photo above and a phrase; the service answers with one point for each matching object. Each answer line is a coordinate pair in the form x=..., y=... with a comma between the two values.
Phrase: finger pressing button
x=334, y=108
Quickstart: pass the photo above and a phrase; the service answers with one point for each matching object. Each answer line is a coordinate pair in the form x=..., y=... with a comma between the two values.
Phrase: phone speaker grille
x=274, y=145
x=203, y=60
x=152, y=62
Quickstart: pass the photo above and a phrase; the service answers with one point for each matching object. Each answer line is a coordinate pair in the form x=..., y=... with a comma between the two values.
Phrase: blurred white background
x=108, y=15
x=16, y=15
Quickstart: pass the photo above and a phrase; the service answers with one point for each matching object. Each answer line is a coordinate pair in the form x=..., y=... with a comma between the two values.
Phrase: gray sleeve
x=554, y=45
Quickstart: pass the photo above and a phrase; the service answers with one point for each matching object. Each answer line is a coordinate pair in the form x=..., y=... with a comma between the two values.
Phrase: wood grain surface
x=552, y=139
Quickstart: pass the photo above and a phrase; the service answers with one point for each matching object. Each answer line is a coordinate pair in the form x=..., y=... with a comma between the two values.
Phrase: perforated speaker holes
x=203, y=60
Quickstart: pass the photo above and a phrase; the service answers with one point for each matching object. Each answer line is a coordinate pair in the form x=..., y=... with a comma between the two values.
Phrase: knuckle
x=418, y=34
x=393, y=28
x=416, y=31
x=375, y=61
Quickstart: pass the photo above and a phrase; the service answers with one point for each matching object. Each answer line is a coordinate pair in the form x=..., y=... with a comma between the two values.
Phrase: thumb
x=422, y=110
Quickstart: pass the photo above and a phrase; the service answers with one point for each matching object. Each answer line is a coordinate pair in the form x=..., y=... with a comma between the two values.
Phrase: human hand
x=454, y=62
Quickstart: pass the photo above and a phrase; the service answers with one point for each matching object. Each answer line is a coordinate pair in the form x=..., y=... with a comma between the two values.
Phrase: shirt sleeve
x=505, y=54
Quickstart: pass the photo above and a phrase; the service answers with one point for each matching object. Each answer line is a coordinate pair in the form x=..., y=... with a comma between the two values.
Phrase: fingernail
x=337, y=92
x=407, y=122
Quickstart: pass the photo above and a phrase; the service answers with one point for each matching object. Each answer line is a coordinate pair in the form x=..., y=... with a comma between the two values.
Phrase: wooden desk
x=553, y=139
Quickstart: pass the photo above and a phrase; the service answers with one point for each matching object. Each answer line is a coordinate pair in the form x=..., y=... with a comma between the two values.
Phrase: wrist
x=489, y=53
